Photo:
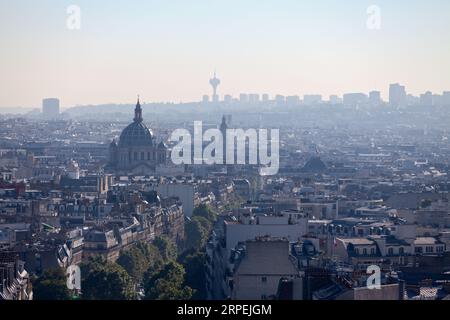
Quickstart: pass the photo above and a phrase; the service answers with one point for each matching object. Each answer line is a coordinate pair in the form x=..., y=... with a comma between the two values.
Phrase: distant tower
x=50, y=107
x=138, y=112
x=214, y=82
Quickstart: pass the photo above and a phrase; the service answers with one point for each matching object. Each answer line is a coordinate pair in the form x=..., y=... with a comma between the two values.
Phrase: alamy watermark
x=374, y=17
x=374, y=280
x=73, y=274
x=73, y=21
x=232, y=147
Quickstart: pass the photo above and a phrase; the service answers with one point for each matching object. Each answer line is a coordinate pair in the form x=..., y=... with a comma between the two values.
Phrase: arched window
x=391, y=251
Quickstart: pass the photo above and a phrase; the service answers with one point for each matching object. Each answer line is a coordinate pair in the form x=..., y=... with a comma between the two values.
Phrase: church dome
x=136, y=134
x=315, y=164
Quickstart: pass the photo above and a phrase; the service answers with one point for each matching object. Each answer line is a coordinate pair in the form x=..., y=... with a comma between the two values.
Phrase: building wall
x=236, y=233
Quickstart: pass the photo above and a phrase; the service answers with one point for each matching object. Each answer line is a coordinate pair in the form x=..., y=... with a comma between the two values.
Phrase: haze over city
x=241, y=152
x=165, y=50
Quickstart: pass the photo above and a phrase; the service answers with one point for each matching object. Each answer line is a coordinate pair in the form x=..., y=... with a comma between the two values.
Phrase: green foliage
x=104, y=280
x=194, y=264
x=206, y=212
x=51, y=285
x=167, y=284
x=138, y=259
x=196, y=232
x=166, y=247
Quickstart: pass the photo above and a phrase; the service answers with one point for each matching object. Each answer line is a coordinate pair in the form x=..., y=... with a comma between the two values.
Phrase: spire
x=223, y=125
x=138, y=111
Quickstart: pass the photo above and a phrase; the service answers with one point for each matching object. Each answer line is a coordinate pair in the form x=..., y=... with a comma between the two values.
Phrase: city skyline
x=151, y=48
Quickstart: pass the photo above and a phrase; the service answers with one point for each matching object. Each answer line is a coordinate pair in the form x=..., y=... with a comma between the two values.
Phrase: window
x=401, y=251
x=148, y=156
x=429, y=249
x=372, y=251
x=365, y=251
x=418, y=250
x=440, y=249
x=391, y=251
x=135, y=156
x=142, y=156
x=264, y=279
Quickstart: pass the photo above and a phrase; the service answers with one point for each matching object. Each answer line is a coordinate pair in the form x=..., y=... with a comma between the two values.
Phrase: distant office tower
x=334, y=99
x=293, y=100
x=426, y=99
x=50, y=107
x=375, y=98
x=355, y=99
x=280, y=100
x=243, y=98
x=397, y=95
x=228, y=98
x=205, y=98
x=446, y=98
x=214, y=82
x=438, y=100
x=312, y=99
x=253, y=98
x=265, y=97
x=412, y=100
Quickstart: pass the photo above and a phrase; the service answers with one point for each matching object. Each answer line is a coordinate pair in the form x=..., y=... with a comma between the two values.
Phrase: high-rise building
x=412, y=100
x=253, y=98
x=446, y=98
x=243, y=98
x=426, y=99
x=265, y=97
x=50, y=107
x=280, y=100
x=293, y=100
x=397, y=95
x=312, y=99
x=334, y=99
x=355, y=99
x=228, y=98
x=205, y=98
x=438, y=100
x=375, y=98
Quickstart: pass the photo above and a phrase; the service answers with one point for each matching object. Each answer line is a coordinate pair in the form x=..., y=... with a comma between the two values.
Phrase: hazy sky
x=166, y=50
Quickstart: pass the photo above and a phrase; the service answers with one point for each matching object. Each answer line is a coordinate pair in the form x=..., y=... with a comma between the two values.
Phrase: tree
x=166, y=247
x=138, y=259
x=51, y=285
x=134, y=263
x=194, y=264
x=168, y=284
x=196, y=232
x=206, y=212
x=107, y=281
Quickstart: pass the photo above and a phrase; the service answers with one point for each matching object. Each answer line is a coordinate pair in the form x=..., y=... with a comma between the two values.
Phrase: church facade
x=137, y=151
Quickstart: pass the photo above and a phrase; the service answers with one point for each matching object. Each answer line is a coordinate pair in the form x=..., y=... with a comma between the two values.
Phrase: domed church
x=137, y=151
